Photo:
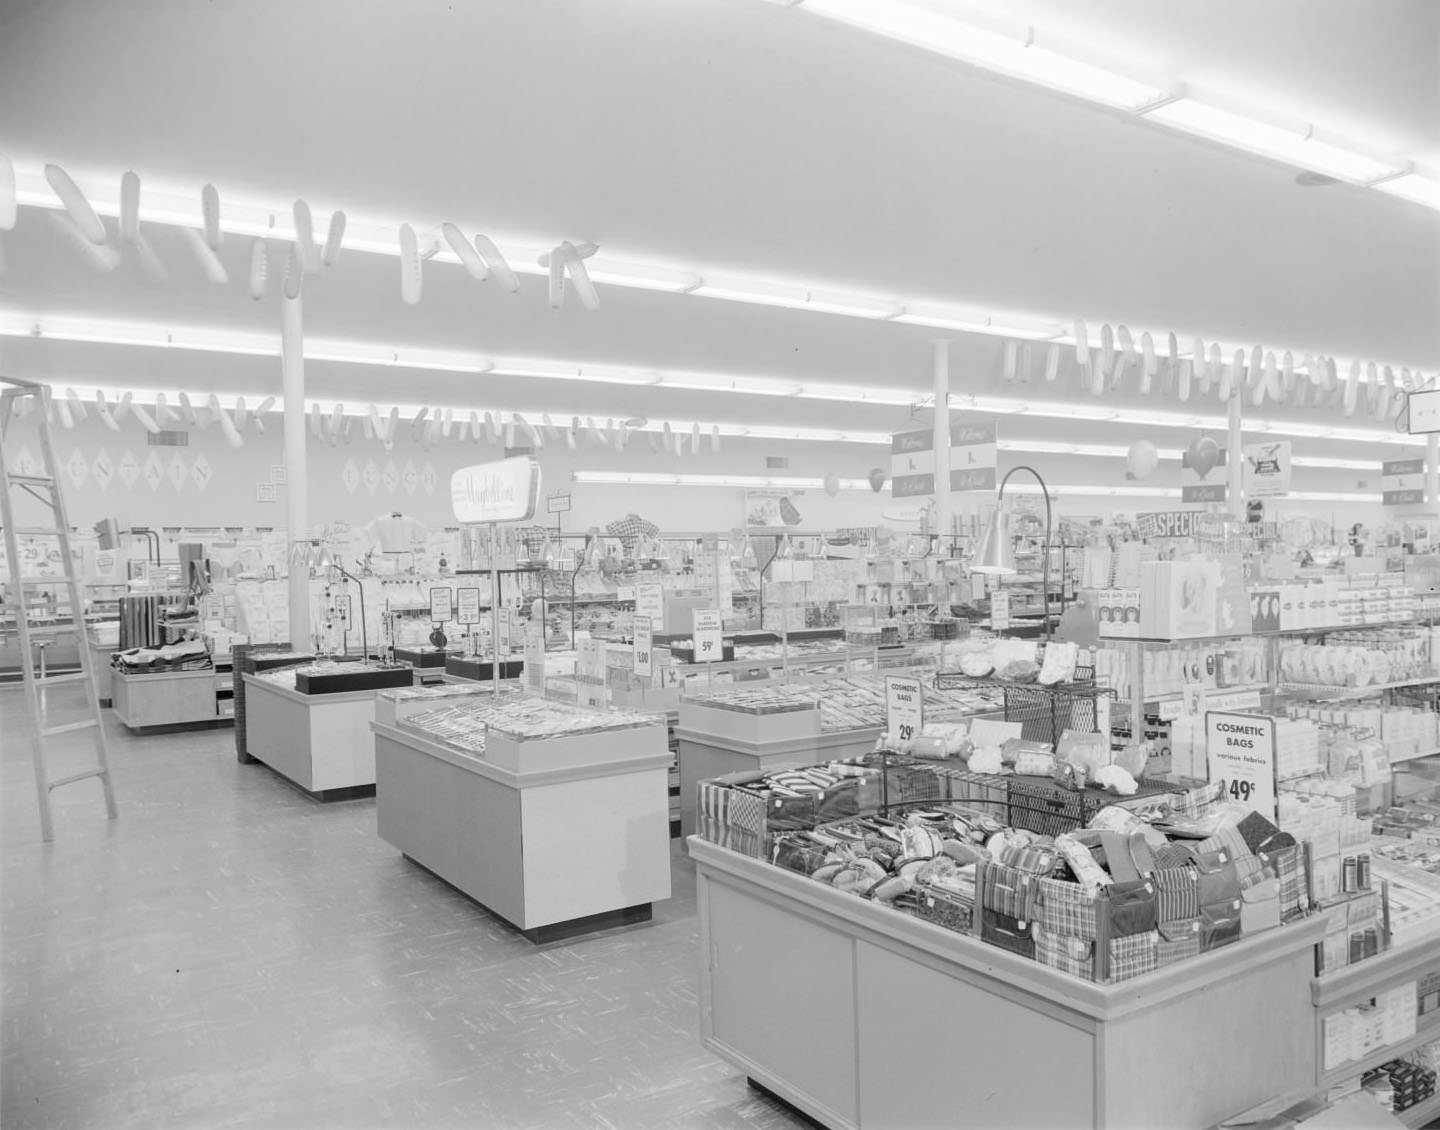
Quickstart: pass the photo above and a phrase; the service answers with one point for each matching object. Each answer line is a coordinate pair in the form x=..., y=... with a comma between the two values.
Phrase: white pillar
x=1432, y=470
x=292, y=372
x=940, y=367
x=1235, y=449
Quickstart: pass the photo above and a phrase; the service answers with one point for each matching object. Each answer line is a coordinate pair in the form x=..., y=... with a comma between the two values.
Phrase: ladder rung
x=52, y=680
x=70, y=780
x=32, y=480
x=68, y=728
x=39, y=531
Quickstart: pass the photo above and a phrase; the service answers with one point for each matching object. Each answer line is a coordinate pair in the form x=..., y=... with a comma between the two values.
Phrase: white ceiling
x=723, y=134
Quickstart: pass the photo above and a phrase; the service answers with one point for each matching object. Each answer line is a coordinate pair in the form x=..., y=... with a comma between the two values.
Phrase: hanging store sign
x=503, y=491
x=557, y=503
x=1166, y=524
x=1402, y=482
x=1267, y=469
x=974, y=451
x=1422, y=411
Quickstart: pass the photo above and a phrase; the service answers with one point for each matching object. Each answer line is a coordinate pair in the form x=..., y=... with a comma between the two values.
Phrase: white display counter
x=865, y=1017
x=320, y=742
x=558, y=836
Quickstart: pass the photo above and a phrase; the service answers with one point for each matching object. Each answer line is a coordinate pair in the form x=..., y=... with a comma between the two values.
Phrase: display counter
x=863, y=1017
x=320, y=742
x=146, y=701
x=557, y=835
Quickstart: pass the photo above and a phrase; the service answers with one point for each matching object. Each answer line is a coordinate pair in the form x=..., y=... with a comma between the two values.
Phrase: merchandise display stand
x=558, y=836
x=320, y=742
x=154, y=701
x=862, y=1017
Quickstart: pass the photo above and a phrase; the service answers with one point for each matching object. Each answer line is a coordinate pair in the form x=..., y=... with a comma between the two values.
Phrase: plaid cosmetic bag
x=1250, y=870
x=1069, y=954
x=1035, y=859
x=1219, y=924
x=1218, y=878
x=1133, y=955
x=1229, y=840
x=1008, y=933
x=1179, y=940
x=1177, y=893
x=1009, y=890
x=1131, y=908
x=1288, y=865
x=1063, y=908
x=1172, y=855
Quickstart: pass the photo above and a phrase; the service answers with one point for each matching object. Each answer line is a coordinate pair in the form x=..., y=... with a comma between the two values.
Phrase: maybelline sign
x=505, y=491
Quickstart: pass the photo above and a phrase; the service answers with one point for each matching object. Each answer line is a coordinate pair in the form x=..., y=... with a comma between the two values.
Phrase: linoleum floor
x=231, y=953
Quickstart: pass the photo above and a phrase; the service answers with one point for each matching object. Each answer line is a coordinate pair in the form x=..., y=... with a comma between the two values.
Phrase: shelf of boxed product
x=553, y=817
x=1324, y=691
x=852, y=1047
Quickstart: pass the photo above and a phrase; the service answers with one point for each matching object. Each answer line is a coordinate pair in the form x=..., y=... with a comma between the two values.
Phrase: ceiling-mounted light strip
x=974, y=321
x=1016, y=57
x=1415, y=187
x=1119, y=451
x=1296, y=145
x=658, y=478
x=794, y=296
x=1072, y=490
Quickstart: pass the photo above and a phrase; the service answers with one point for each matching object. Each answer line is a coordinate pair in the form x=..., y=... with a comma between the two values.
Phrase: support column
x=297, y=520
x=1235, y=450
x=1432, y=471
x=940, y=367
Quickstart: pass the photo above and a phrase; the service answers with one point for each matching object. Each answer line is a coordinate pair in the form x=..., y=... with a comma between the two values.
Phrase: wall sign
x=973, y=454
x=904, y=708
x=1422, y=411
x=1240, y=750
x=1266, y=473
x=557, y=503
x=643, y=654
x=1402, y=482
x=503, y=491
x=468, y=606
x=707, y=635
x=441, y=599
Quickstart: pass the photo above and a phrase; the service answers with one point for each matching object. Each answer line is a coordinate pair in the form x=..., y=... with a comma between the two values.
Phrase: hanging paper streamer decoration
x=150, y=264
x=191, y=418
x=86, y=221
x=1127, y=344
x=1082, y=343
x=832, y=483
x=1184, y=373
x=334, y=237
x=1052, y=362
x=1200, y=366
x=695, y=439
x=1010, y=360
x=1217, y=371
x=410, y=267
x=417, y=424
x=1352, y=388
x=122, y=407
x=669, y=440
x=130, y=207
x=241, y=414
x=497, y=264
x=258, y=268
x=62, y=412
x=146, y=421
x=77, y=406
x=103, y=411
x=447, y=421
x=305, y=238
x=9, y=201
x=1274, y=389
x=101, y=256
x=492, y=431
x=468, y=256
x=210, y=213
x=390, y=428
x=1148, y=365
x=557, y=279
x=209, y=261
x=336, y=414
x=715, y=439
x=579, y=276
x=315, y=421
x=877, y=480
x=264, y=406
x=232, y=437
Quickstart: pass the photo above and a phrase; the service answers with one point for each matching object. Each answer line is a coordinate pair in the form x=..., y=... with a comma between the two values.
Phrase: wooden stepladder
x=20, y=397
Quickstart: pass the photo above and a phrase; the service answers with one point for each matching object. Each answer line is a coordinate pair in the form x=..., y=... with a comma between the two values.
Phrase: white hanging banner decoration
x=103, y=411
x=152, y=471
x=575, y=265
x=468, y=256
x=101, y=256
x=264, y=406
x=497, y=264
x=411, y=276
x=77, y=406
x=350, y=476
x=210, y=213
x=258, y=268
x=210, y=264
x=77, y=467
x=305, y=238
x=334, y=237
x=86, y=221
x=130, y=206
x=557, y=279
x=294, y=274
x=9, y=199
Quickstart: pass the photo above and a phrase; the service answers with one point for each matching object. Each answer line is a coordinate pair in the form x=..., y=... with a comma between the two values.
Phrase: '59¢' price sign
x=707, y=635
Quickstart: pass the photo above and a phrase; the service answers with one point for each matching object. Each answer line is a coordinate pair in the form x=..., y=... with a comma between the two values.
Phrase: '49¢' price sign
x=1240, y=751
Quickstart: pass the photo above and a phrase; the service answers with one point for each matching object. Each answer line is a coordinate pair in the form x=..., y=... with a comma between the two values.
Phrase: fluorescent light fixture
x=974, y=321
x=363, y=353
x=641, y=276
x=794, y=296
x=1096, y=491
x=1292, y=146
x=1005, y=55
x=564, y=371
x=62, y=328
x=1415, y=188
x=727, y=382
x=770, y=482
x=1116, y=451
x=868, y=394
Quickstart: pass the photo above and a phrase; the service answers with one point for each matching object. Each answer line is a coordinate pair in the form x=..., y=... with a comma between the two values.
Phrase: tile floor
x=230, y=953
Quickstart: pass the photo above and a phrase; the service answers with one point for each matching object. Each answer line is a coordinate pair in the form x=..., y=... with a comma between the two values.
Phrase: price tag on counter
x=505, y=630
x=999, y=610
x=708, y=643
x=1240, y=750
x=644, y=656
x=650, y=601
x=904, y=708
x=440, y=604
x=535, y=655
x=468, y=606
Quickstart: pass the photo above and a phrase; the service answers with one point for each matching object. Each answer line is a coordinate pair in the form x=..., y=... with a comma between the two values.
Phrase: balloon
x=832, y=484
x=1142, y=460
x=1204, y=454
x=877, y=480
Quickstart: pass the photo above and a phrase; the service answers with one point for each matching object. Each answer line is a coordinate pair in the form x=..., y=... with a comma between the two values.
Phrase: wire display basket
x=1044, y=712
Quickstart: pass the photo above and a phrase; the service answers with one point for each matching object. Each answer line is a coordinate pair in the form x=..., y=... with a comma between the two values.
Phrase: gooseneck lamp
x=997, y=547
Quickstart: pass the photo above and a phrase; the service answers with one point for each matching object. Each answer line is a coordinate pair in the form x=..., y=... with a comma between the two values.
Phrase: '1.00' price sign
x=644, y=655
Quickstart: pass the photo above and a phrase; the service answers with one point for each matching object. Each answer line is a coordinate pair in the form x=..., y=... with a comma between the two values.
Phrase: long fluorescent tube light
x=794, y=296
x=1068, y=490
x=1292, y=146
x=656, y=478
x=727, y=382
x=1002, y=54
x=1119, y=451
x=1413, y=187
x=973, y=321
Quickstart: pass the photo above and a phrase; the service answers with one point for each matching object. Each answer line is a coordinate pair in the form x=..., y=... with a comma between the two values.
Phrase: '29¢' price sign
x=904, y=708
x=1240, y=751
